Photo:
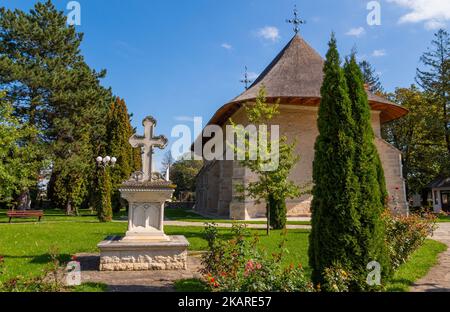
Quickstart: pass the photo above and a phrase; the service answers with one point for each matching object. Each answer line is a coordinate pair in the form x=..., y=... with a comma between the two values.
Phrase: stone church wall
x=298, y=123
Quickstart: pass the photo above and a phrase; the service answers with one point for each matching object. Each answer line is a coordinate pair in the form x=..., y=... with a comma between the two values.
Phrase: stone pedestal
x=145, y=246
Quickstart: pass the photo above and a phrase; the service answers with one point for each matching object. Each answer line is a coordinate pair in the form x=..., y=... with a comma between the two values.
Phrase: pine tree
x=436, y=79
x=335, y=220
x=52, y=89
x=366, y=167
x=370, y=77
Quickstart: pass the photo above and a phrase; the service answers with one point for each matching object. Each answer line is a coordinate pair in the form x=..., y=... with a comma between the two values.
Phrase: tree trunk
x=69, y=208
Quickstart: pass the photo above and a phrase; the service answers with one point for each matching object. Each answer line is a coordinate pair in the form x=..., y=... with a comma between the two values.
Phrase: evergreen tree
x=19, y=160
x=334, y=238
x=366, y=167
x=370, y=77
x=103, y=204
x=52, y=89
x=435, y=80
x=118, y=132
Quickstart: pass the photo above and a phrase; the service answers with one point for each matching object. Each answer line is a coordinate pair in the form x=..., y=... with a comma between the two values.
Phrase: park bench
x=25, y=214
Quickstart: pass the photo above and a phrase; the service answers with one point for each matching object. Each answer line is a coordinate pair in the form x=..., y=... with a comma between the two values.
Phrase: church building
x=294, y=78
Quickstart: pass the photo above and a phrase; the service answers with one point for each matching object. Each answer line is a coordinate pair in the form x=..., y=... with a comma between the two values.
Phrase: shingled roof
x=295, y=77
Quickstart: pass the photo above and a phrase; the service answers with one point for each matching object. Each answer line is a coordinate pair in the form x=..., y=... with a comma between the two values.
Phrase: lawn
x=418, y=265
x=442, y=218
x=25, y=246
x=190, y=216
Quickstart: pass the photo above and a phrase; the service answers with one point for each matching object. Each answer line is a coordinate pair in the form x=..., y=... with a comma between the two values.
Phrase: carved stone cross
x=147, y=143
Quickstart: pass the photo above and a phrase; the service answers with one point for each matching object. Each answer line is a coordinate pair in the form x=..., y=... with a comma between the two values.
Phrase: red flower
x=2, y=259
x=74, y=258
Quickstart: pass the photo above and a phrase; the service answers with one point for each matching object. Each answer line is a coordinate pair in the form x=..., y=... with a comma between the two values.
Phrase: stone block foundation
x=119, y=255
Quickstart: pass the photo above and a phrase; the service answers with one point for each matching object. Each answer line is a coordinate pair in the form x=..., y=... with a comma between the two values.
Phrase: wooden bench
x=25, y=214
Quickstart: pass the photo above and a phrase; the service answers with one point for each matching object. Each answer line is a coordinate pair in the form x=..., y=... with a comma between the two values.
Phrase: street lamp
x=106, y=161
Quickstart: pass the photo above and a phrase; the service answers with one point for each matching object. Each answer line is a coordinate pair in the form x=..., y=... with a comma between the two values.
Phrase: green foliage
x=406, y=234
x=435, y=80
x=336, y=279
x=19, y=161
x=273, y=181
x=53, y=90
x=103, y=204
x=183, y=174
x=370, y=77
x=118, y=133
x=278, y=213
x=419, y=136
x=371, y=184
x=238, y=265
x=335, y=217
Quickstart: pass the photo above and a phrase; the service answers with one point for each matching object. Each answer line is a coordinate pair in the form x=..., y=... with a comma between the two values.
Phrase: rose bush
x=238, y=265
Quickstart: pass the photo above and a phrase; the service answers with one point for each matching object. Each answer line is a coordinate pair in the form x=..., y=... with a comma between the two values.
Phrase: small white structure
x=145, y=246
x=440, y=194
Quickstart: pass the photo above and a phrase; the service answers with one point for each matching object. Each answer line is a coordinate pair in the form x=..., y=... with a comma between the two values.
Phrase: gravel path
x=229, y=225
x=438, y=278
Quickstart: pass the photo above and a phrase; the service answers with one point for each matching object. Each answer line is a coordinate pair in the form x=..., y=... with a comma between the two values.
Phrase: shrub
x=238, y=265
x=336, y=279
x=405, y=234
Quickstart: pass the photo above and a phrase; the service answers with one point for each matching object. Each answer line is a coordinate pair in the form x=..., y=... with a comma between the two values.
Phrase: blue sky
x=178, y=59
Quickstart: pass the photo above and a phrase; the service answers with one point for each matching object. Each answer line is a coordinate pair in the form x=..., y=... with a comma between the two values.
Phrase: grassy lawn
x=190, y=216
x=442, y=218
x=417, y=267
x=25, y=245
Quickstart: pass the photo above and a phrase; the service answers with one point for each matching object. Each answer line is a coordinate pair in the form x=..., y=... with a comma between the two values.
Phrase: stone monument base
x=117, y=254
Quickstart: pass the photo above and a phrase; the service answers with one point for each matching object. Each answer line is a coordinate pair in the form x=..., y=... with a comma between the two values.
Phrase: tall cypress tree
x=335, y=221
x=118, y=132
x=366, y=166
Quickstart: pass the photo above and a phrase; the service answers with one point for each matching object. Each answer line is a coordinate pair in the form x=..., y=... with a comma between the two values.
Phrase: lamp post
x=104, y=162
x=105, y=213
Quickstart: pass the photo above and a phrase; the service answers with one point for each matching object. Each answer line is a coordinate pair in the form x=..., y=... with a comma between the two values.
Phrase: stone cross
x=147, y=142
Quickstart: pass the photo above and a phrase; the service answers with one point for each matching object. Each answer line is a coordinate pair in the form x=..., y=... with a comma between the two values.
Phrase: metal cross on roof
x=246, y=81
x=296, y=21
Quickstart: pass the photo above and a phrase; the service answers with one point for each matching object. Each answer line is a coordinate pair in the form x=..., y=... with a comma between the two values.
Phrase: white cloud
x=433, y=13
x=226, y=46
x=379, y=53
x=356, y=32
x=269, y=33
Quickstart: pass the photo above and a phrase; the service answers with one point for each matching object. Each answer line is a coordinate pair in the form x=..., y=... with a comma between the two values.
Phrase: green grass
x=442, y=218
x=417, y=267
x=190, y=216
x=25, y=244
x=190, y=285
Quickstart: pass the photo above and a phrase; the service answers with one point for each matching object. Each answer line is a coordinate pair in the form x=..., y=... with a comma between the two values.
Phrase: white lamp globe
x=99, y=159
x=113, y=160
x=107, y=159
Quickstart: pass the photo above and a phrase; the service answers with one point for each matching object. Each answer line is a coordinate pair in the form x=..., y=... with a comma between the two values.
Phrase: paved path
x=438, y=278
x=141, y=281
x=229, y=225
